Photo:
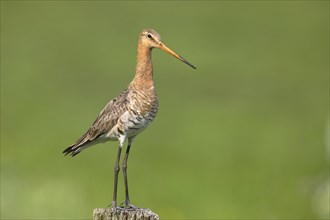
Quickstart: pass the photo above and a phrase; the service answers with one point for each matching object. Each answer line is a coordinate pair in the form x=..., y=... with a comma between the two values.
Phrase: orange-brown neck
x=144, y=73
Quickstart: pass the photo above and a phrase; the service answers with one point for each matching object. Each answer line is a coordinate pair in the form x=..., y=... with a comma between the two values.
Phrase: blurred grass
x=243, y=136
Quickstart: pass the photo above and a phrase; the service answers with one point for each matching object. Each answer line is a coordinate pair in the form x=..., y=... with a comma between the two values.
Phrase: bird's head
x=151, y=39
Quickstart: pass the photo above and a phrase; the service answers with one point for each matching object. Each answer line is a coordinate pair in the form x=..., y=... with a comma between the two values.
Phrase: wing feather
x=104, y=122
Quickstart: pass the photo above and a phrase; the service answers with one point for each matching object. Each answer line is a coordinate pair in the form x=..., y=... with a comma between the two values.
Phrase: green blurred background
x=243, y=136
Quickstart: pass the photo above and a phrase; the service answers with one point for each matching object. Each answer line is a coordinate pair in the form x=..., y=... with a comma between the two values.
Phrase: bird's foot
x=113, y=206
x=128, y=206
x=123, y=206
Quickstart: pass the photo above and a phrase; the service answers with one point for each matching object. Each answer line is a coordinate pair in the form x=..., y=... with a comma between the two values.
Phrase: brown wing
x=104, y=122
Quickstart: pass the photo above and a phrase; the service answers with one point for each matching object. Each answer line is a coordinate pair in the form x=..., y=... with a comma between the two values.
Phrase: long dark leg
x=117, y=168
x=127, y=201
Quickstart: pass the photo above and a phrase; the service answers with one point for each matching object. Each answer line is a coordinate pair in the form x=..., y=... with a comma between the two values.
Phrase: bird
x=128, y=114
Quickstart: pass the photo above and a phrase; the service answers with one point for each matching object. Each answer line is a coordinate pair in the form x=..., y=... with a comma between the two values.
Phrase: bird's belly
x=137, y=124
x=129, y=125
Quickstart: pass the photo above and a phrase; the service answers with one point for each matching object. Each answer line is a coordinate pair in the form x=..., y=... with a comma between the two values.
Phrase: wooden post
x=124, y=214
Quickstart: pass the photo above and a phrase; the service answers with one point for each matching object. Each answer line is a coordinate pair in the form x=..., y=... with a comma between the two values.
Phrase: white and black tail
x=82, y=144
x=73, y=150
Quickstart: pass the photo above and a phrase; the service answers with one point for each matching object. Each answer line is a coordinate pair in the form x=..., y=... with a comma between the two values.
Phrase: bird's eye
x=149, y=36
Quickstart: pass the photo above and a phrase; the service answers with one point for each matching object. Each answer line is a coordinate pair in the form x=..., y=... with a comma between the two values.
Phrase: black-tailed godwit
x=125, y=116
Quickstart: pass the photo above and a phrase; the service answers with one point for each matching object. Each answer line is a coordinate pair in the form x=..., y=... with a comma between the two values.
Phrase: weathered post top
x=124, y=214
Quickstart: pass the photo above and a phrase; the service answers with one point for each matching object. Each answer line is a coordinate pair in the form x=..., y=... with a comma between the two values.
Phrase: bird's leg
x=117, y=168
x=124, y=166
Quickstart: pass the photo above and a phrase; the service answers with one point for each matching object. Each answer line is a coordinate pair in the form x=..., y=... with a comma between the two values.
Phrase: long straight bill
x=168, y=50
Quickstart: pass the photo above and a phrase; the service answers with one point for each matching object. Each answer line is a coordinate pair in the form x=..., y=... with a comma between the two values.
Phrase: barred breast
x=142, y=107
